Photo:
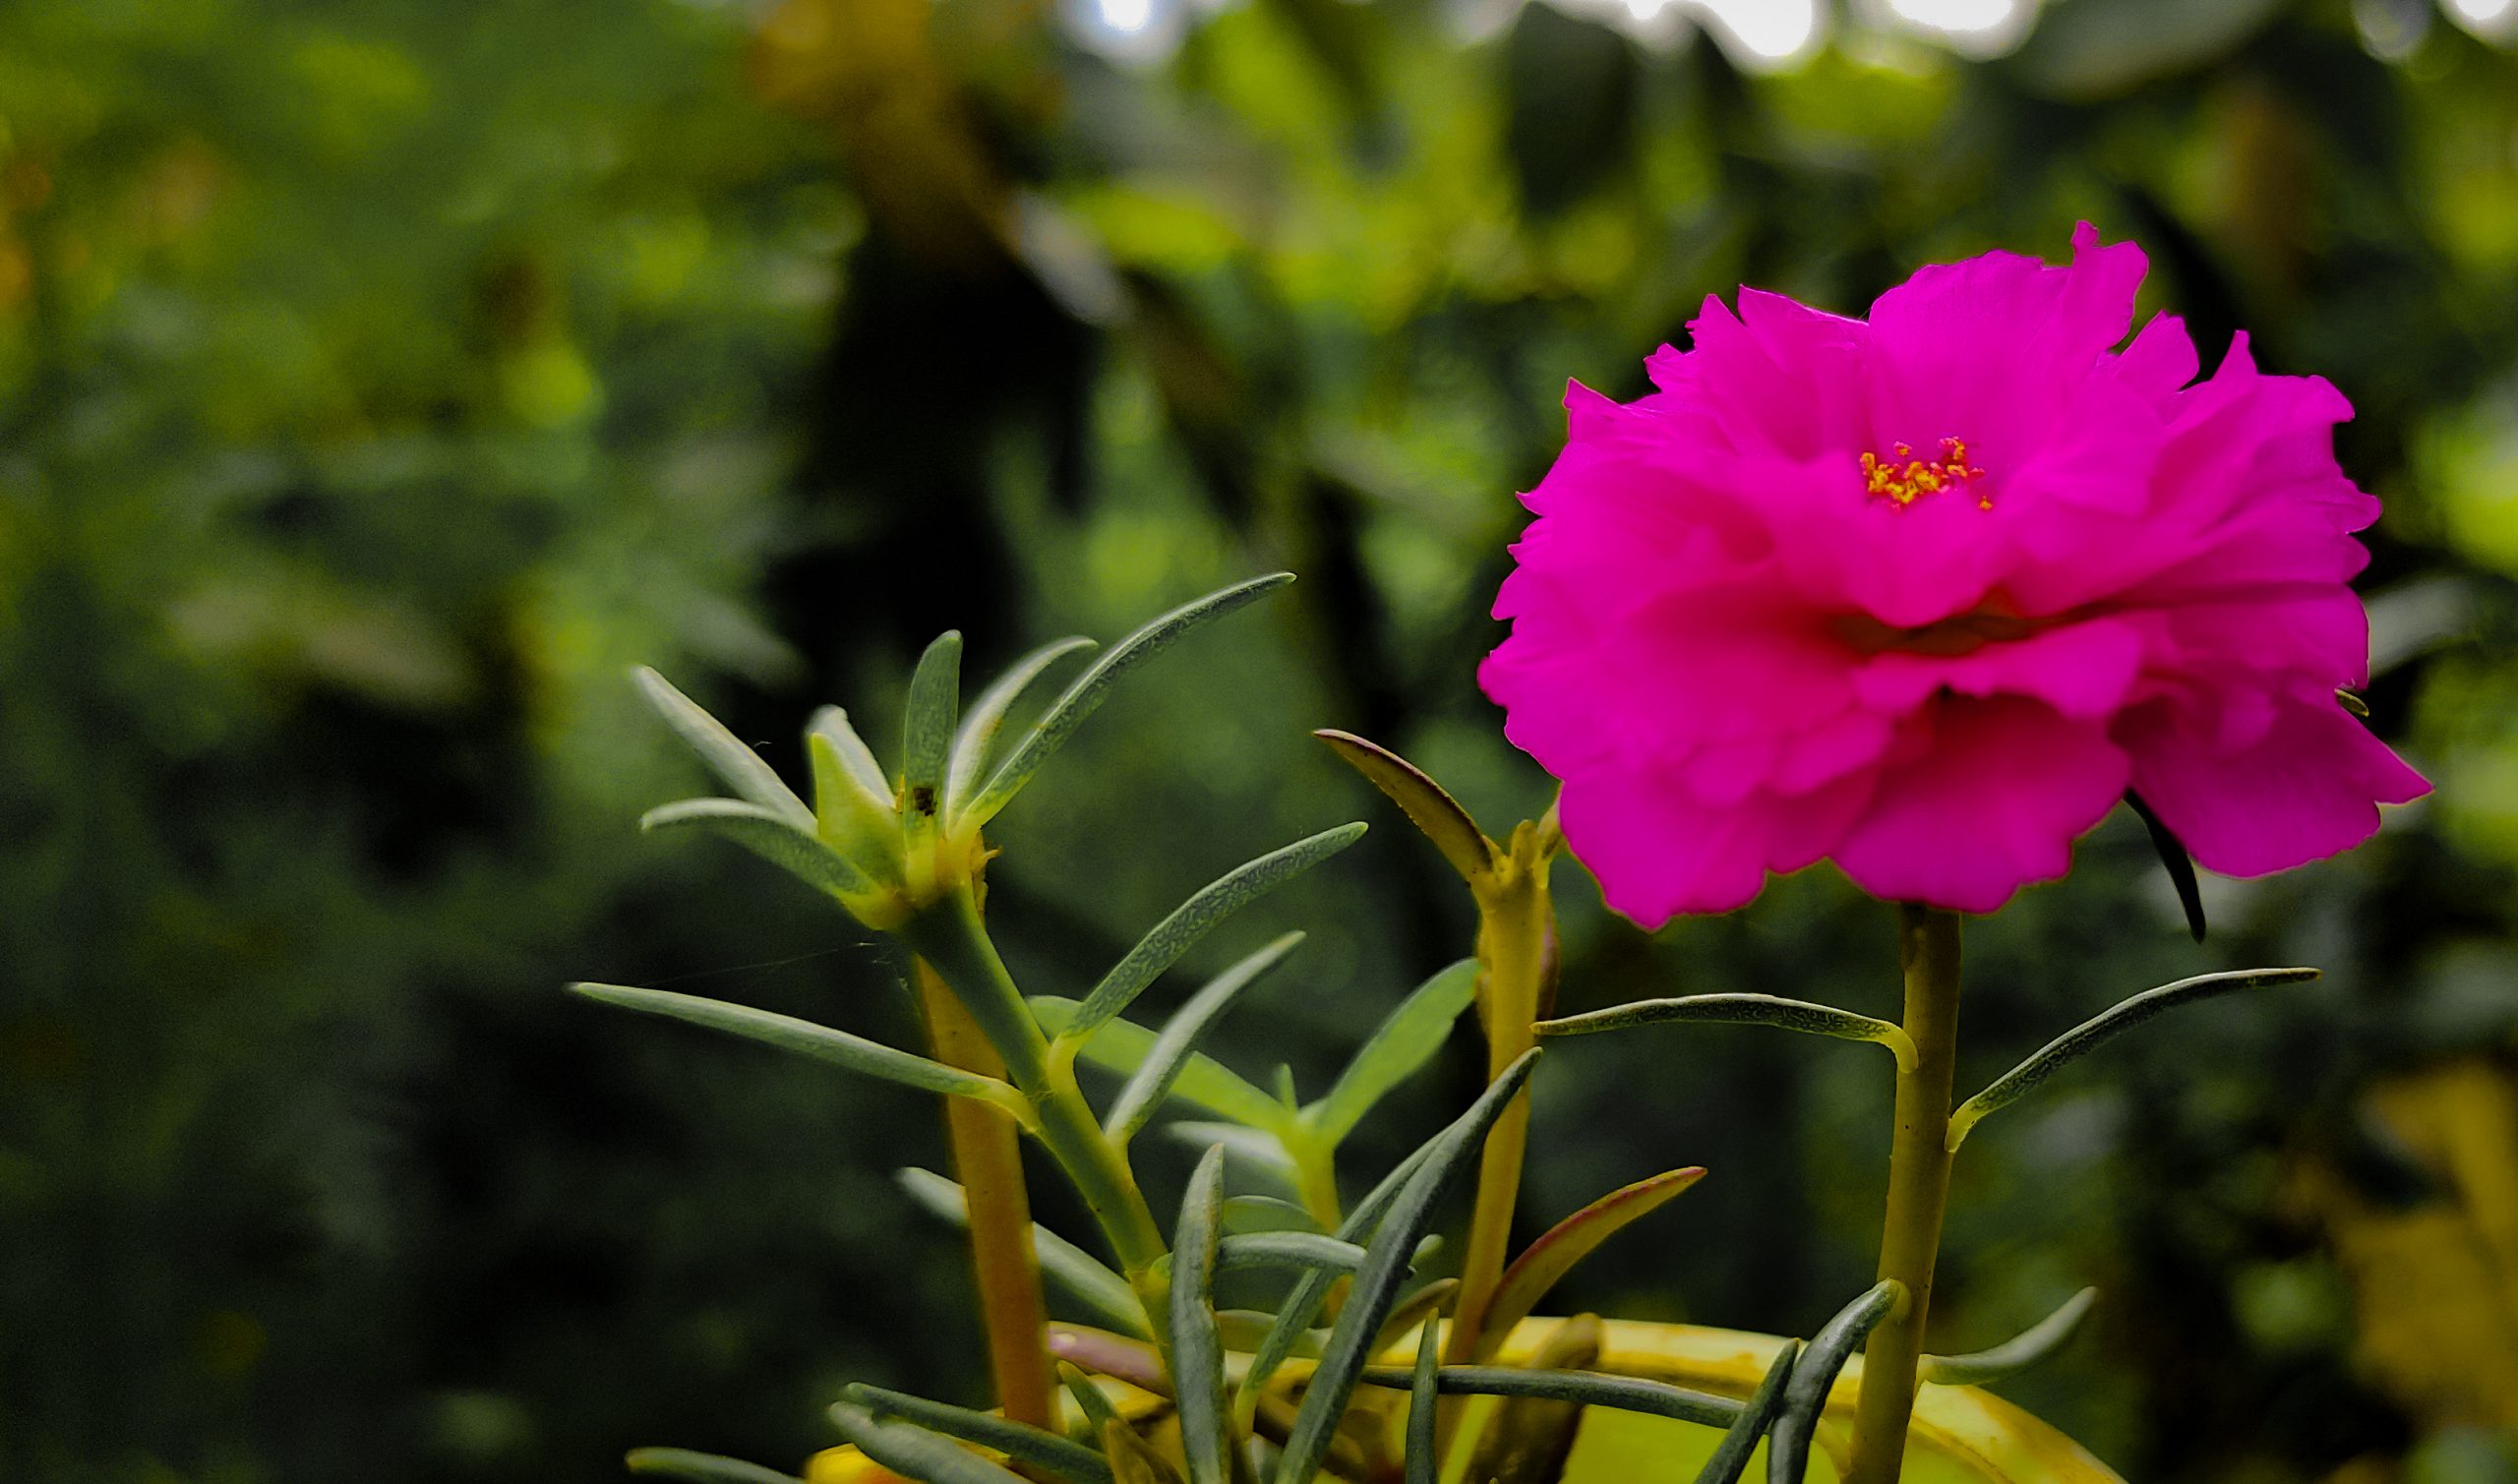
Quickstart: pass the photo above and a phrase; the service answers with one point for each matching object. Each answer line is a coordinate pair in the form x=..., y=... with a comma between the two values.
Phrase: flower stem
x=1516, y=949
x=1918, y=1191
x=951, y=936
x=987, y=1161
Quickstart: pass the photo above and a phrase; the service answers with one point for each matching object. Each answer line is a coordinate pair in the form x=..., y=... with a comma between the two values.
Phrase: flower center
x=1903, y=479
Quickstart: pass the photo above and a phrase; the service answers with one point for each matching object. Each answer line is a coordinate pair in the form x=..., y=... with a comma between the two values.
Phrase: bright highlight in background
x=1768, y=31
x=2491, y=20
x=1127, y=17
x=1977, y=27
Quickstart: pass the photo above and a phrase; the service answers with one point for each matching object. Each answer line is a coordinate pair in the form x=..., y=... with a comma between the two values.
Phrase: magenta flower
x=1925, y=596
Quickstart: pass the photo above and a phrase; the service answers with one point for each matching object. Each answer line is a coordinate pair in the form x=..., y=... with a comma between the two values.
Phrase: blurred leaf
x=1625, y=1394
x=1528, y=1440
x=1413, y=1310
x=1395, y=1052
x=1571, y=82
x=1545, y=1261
x=856, y=759
x=1168, y=1059
x=2016, y=1354
x=1125, y=1048
x=1080, y=1272
x=1095, y=1408
x=2090, y=1035
x=858, y=824
x=1132, y=1459
x=701, y=1468
x=1175, y=934
x=1018, y=1441
x=822, y=1042
x=765, y=834
x=914, y=1453
x=1256, y=1214
x=1730, y=1456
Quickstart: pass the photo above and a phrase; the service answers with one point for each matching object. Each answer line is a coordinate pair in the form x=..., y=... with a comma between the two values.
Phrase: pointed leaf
x=2352, y=703
x=988, y=714
x=913, y=1452
x=926, y=728
x=2180, y=864
x=1175, y=934
x=789, y=1033
x=1167, y=1058
x=1133, y=1460
x=1197, y=1344
x=1433, y=811
x=856, y=759
x=1092, y=688
x=2090, y=1035
x=1805, y=1393
x=1255, y=1214
x=1018, y=1441
x=2016, y=1354
x=1081, y=1274
x=858, y=824
x=1527, y=1440
x=701, y=1468
x=1089, y=1401
x=1126, y=1047
x=738, y=766
x=1740, y=1440
x=1286, y=1249
x=1395, y=1052
x=1376, y=1284
x=1303, y=1305
x=1424, y=1448
x=1625, y=1394
x=1742, y=1010
x=1415, y=1310
x=1544, y=1262
x=763, y=832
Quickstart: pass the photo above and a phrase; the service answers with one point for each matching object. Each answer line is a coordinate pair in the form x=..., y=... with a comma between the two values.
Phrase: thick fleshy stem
x=988, y=1161
x=1918, y=1191
x=950, y=935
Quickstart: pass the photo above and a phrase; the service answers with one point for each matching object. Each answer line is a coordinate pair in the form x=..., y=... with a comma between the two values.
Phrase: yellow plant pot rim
x=1981, y=1434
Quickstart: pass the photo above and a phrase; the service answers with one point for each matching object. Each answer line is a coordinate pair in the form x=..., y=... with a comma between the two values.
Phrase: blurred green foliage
x=380, y=379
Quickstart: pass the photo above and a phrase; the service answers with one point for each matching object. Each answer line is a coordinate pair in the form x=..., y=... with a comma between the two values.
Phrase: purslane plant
x=1935, y=669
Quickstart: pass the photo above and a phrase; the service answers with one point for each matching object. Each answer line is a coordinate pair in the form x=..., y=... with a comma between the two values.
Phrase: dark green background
x=379, y=379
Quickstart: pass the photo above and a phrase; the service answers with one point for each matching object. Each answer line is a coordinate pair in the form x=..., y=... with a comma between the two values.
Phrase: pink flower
x=1925, y=596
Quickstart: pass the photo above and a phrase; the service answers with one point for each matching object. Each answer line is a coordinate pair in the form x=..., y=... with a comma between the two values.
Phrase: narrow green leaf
x=1424, y=1448
x=1125, y=1048
x=1133, y=1459
x=987, y=715
x=738, y=766
x=1627, y=1393
x=797, y=851
x=701, y=1468
x=926, y=728
x=1190, y=921
x=856, y=759
x=1091, y=688
x=1805, y=1393
x=1019, y=1440
x=2090, y=1035
x=1740, y=1440
x=1089, y=1401
x=1311, y=1292
x=1742, y=1010
x=1386, y=1264
x=1252, y=1214
x=789, y=1033
x=1286, y=1249
x=2014, y=1355
x=1167, y=1060
x=2352, y=703
x=1433, y=811
x=1413, y=1310
x=1261, y=1150
x=1396, y=1051
x=913, y=1452
x=1528, y=1440
x=2179, y=862
x=860, y=825
x=1545, y=1261
x=1082, y=1274
x=1197, y=1344
x=1247, y=1330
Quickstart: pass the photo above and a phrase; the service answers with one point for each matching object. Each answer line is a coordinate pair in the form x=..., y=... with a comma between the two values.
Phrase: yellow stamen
x=1905, y=479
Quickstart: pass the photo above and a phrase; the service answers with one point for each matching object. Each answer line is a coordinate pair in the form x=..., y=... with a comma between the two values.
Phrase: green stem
x=1918, y=1191
x=950, y=935
x=1515, y=945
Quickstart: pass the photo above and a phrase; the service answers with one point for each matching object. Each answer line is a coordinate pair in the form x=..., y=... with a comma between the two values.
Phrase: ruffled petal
x=2308, y=786
x=1658, y=850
